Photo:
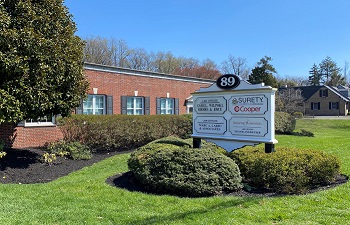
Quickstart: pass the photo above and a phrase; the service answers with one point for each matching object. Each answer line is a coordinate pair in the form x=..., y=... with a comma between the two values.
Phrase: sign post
x=233, y=113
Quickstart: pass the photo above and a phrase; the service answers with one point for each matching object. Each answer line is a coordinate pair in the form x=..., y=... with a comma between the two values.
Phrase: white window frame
x=40, y=122
x=94, y=108
x=167, y=105
x=134, y=109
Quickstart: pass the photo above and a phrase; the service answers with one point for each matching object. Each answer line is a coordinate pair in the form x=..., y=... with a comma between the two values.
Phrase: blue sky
x=295, y=33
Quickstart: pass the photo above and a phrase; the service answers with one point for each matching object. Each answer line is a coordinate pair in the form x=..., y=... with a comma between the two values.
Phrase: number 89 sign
x=228, y=81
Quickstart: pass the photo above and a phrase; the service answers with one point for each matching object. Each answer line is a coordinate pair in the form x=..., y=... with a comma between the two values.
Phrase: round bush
x=286, y=170
x=284, y=123
x=176, y=168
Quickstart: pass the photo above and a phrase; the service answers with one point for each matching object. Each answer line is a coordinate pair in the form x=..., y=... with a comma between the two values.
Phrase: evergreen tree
x=263, y=73
x=41, y=60
x=315, y=76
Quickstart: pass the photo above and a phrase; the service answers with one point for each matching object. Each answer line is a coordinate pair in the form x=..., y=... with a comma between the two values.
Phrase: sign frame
x=252, y=106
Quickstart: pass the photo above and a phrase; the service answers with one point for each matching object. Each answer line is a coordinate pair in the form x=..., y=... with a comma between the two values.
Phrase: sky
x=296, y=34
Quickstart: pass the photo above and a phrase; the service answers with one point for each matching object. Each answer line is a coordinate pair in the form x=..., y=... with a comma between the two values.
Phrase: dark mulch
x=25, y=167
x=127, y=181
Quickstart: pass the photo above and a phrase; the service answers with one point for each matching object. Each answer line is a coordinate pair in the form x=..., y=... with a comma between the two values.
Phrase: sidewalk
x=328, y=117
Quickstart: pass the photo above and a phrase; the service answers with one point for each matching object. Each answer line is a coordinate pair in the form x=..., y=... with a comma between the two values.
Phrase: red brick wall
x=118, y=85
x=27, y=137
x=108, y=83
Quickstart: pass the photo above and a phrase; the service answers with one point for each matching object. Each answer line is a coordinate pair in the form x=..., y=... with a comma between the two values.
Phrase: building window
x=43, y=121
x=315, y=105
x=168, y=106
x=333, y=105
x=135, y=106
x=95, y=105
x=323, y=93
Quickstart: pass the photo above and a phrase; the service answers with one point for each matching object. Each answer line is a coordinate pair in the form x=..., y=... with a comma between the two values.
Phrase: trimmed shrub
x=286, y=170
x=73, y=150
x=120, y=132
x=284, y=123
x=298, y=115
x=171, y=166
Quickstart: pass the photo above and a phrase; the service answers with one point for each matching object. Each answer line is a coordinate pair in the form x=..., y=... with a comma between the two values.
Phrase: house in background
x=323, y=100
x=113, y=90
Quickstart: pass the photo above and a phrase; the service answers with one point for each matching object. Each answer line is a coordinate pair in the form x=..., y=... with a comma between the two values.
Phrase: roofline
x=132, y=72
x=337, y=93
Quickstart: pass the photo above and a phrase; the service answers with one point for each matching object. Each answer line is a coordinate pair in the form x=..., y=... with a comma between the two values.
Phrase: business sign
x=210, y=125
x=234, y=113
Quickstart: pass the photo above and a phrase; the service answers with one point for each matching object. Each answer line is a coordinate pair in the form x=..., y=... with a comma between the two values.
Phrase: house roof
x=308, y=91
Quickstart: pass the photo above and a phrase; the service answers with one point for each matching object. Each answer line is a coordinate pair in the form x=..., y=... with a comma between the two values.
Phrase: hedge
x=121, y=132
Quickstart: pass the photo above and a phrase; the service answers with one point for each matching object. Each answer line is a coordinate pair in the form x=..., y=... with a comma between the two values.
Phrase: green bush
x=298, y=115
x=171, y=166
x=286, y=170
x=73, y=150
x=120, y=132
x=284, y=123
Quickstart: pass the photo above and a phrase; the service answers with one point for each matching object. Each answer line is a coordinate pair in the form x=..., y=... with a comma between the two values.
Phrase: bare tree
x=290, y=100
x=120, y=52
x=97, y=51
x=346, y=72
x=237, y=66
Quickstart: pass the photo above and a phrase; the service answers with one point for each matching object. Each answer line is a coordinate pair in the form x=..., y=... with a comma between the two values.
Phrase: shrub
x=298, y=115
x=172, y=166
x=48, y=158
x=286, y=170
x=2, y=153
x=284, y=123
x=120, y=132
x=73, y=150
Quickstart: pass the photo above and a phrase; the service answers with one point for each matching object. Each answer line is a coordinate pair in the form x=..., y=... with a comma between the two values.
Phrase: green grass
x=83, y=197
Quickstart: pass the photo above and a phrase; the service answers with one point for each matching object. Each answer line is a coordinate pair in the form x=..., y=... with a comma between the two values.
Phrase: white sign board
x=234, y=117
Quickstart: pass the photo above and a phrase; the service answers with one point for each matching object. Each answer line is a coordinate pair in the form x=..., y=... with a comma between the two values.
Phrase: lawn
x=83, y=197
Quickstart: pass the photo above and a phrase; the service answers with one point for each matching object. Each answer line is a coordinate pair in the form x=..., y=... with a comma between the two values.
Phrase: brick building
x=113, y=90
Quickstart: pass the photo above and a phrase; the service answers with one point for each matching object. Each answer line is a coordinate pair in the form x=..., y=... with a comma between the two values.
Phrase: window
x=333, y=105
x=315, y=106
x=167, y=106
x=135, y=105
x=323, y=93
x=94, y=105
x=47, y=120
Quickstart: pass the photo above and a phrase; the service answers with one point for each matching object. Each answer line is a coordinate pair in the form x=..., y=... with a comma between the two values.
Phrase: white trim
x=124, y=71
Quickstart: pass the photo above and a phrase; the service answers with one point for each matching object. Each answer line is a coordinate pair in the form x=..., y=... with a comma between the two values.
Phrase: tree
x=41, y=60
x=315, y=76
x=237, y=66
x=331, y=73
x=263, y=73
x=290, y=100
x=327, y=73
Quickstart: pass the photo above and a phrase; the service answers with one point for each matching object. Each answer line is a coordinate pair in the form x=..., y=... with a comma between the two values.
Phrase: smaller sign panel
x=210, y=125
x=248, y=104
x=243, y=126
x=210, y=105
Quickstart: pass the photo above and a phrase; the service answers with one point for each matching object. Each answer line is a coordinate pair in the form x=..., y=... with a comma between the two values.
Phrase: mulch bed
x=25, y=167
